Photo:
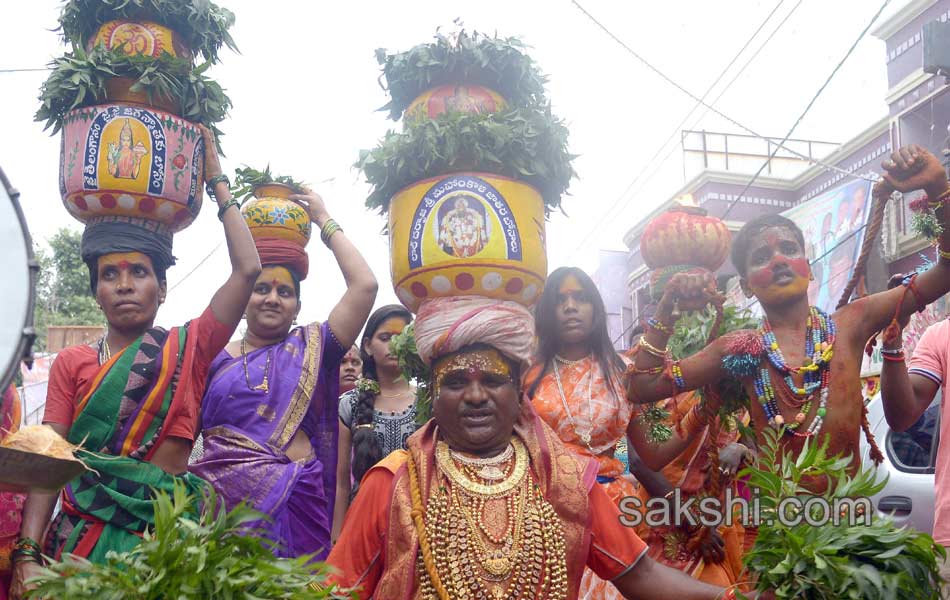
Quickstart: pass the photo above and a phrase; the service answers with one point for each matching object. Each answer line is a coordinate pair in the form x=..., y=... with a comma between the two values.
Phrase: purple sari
x=247, y=432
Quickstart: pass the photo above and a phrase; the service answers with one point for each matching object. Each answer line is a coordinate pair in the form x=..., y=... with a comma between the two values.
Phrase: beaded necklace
x=819, y=342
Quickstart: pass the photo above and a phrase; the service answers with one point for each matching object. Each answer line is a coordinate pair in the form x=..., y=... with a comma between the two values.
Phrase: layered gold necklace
x=471, y=558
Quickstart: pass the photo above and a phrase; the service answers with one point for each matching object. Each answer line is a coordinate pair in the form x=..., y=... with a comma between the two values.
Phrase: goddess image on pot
x=463, y=230
x=125, y=158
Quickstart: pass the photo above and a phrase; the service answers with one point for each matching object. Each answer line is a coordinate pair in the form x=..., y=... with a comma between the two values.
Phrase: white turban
x=446, y=325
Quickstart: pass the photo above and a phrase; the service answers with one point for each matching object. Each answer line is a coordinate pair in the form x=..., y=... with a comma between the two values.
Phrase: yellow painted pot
x=456, y=98
x=467, y=234
x=272, y=215
x=140, y=38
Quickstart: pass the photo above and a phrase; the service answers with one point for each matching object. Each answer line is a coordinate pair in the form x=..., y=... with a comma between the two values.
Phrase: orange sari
x=597, y=408
x=688, y=472
x=378, y=551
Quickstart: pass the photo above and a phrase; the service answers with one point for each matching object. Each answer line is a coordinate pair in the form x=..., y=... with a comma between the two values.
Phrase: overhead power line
x=607, y=214
x=809, y=106
x=712, y=109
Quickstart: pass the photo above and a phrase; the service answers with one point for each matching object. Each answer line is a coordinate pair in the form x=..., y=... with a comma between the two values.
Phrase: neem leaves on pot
x=201, y=23
x=497, y=63
x=79, y=79
x=246, y=179
x=525, y=143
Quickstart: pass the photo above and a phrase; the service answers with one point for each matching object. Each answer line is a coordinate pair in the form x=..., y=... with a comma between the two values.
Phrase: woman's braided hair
x=366, y=448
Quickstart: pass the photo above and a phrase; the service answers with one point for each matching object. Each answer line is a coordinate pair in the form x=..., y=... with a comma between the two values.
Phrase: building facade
x=831, y=205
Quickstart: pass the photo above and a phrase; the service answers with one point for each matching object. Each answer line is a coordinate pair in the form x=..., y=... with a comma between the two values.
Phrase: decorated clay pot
x=467, y=234
x=140, y=38
x=685, y=235
x=119, y=91
x=457, y=98
x=124, y=160
x=271, y=214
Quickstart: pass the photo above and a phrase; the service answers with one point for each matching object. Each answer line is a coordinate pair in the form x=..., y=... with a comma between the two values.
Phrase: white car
x=909, y=460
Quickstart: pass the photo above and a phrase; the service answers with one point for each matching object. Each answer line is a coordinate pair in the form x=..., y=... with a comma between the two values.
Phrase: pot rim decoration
x=119, y=91
x=273, y=190
x=470, y=172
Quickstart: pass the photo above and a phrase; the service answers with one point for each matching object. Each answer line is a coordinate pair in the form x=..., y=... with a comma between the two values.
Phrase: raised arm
x=229, y=302
x=910, y=168
x=349, y=315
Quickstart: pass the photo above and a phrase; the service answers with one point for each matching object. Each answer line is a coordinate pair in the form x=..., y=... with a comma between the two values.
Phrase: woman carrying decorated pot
x=269, y=416
x=487, y=502
x=379, y=414
x=132, y=397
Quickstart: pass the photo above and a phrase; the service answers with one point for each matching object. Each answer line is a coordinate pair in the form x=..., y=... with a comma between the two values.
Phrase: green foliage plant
x=246, y=179
x=79, y=79
x=870, y=560
x=403, y=347
x=202, y=24
x=190, y=554
x=497, y=63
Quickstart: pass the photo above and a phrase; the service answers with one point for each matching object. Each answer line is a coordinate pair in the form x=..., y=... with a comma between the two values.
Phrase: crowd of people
x=515, y=487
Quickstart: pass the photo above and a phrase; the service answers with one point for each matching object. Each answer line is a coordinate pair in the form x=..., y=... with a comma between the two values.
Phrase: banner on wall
x=833, y=226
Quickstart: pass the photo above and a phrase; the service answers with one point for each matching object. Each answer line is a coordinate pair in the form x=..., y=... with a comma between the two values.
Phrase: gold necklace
x=585, y=437
x=569, y=362
x=453, y=563
x=262, y=386
x=443, y=458
x=486, y=468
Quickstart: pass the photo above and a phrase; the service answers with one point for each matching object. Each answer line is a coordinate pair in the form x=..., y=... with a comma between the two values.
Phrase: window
x=915, y=450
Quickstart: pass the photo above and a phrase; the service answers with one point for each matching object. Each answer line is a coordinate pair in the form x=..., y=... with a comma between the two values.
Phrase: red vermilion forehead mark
x=570, y=285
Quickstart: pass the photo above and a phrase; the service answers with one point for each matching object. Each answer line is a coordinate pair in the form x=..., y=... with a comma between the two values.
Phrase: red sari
x=11, y=504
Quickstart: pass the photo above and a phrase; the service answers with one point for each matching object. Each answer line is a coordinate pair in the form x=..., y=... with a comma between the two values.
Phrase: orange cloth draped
x=597, y=407
x=378, y=548
x=688, y=472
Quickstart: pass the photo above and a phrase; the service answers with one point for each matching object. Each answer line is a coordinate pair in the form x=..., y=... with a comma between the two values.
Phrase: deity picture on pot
x=125, y=156
x=463, y=230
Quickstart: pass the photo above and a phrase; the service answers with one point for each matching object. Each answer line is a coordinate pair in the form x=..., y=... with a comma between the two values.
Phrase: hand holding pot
x=212, y=162
x=314, y=204
x=691, y=291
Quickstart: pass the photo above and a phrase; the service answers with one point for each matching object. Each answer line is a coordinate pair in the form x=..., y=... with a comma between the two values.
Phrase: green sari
x=120, y=423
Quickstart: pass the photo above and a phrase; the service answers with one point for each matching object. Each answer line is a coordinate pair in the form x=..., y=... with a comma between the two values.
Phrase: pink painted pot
x=133, y=161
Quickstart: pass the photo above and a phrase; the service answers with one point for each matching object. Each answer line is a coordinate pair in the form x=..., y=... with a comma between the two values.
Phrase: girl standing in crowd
x=269, y=416
x=379, y=415
x=575, y=385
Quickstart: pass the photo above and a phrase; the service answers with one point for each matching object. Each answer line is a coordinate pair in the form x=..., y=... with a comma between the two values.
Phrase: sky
x=305, y=91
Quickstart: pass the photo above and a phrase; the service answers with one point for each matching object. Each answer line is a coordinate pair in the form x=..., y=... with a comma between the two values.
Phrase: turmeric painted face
x=475, y=401
x=378, y=345
x=273, y=304
x=575, y=312
x=777, y=269
x=128, y=290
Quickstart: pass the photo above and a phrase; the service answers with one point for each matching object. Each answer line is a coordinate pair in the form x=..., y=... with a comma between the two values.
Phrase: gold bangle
x=365, y=426
x=651, y=349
